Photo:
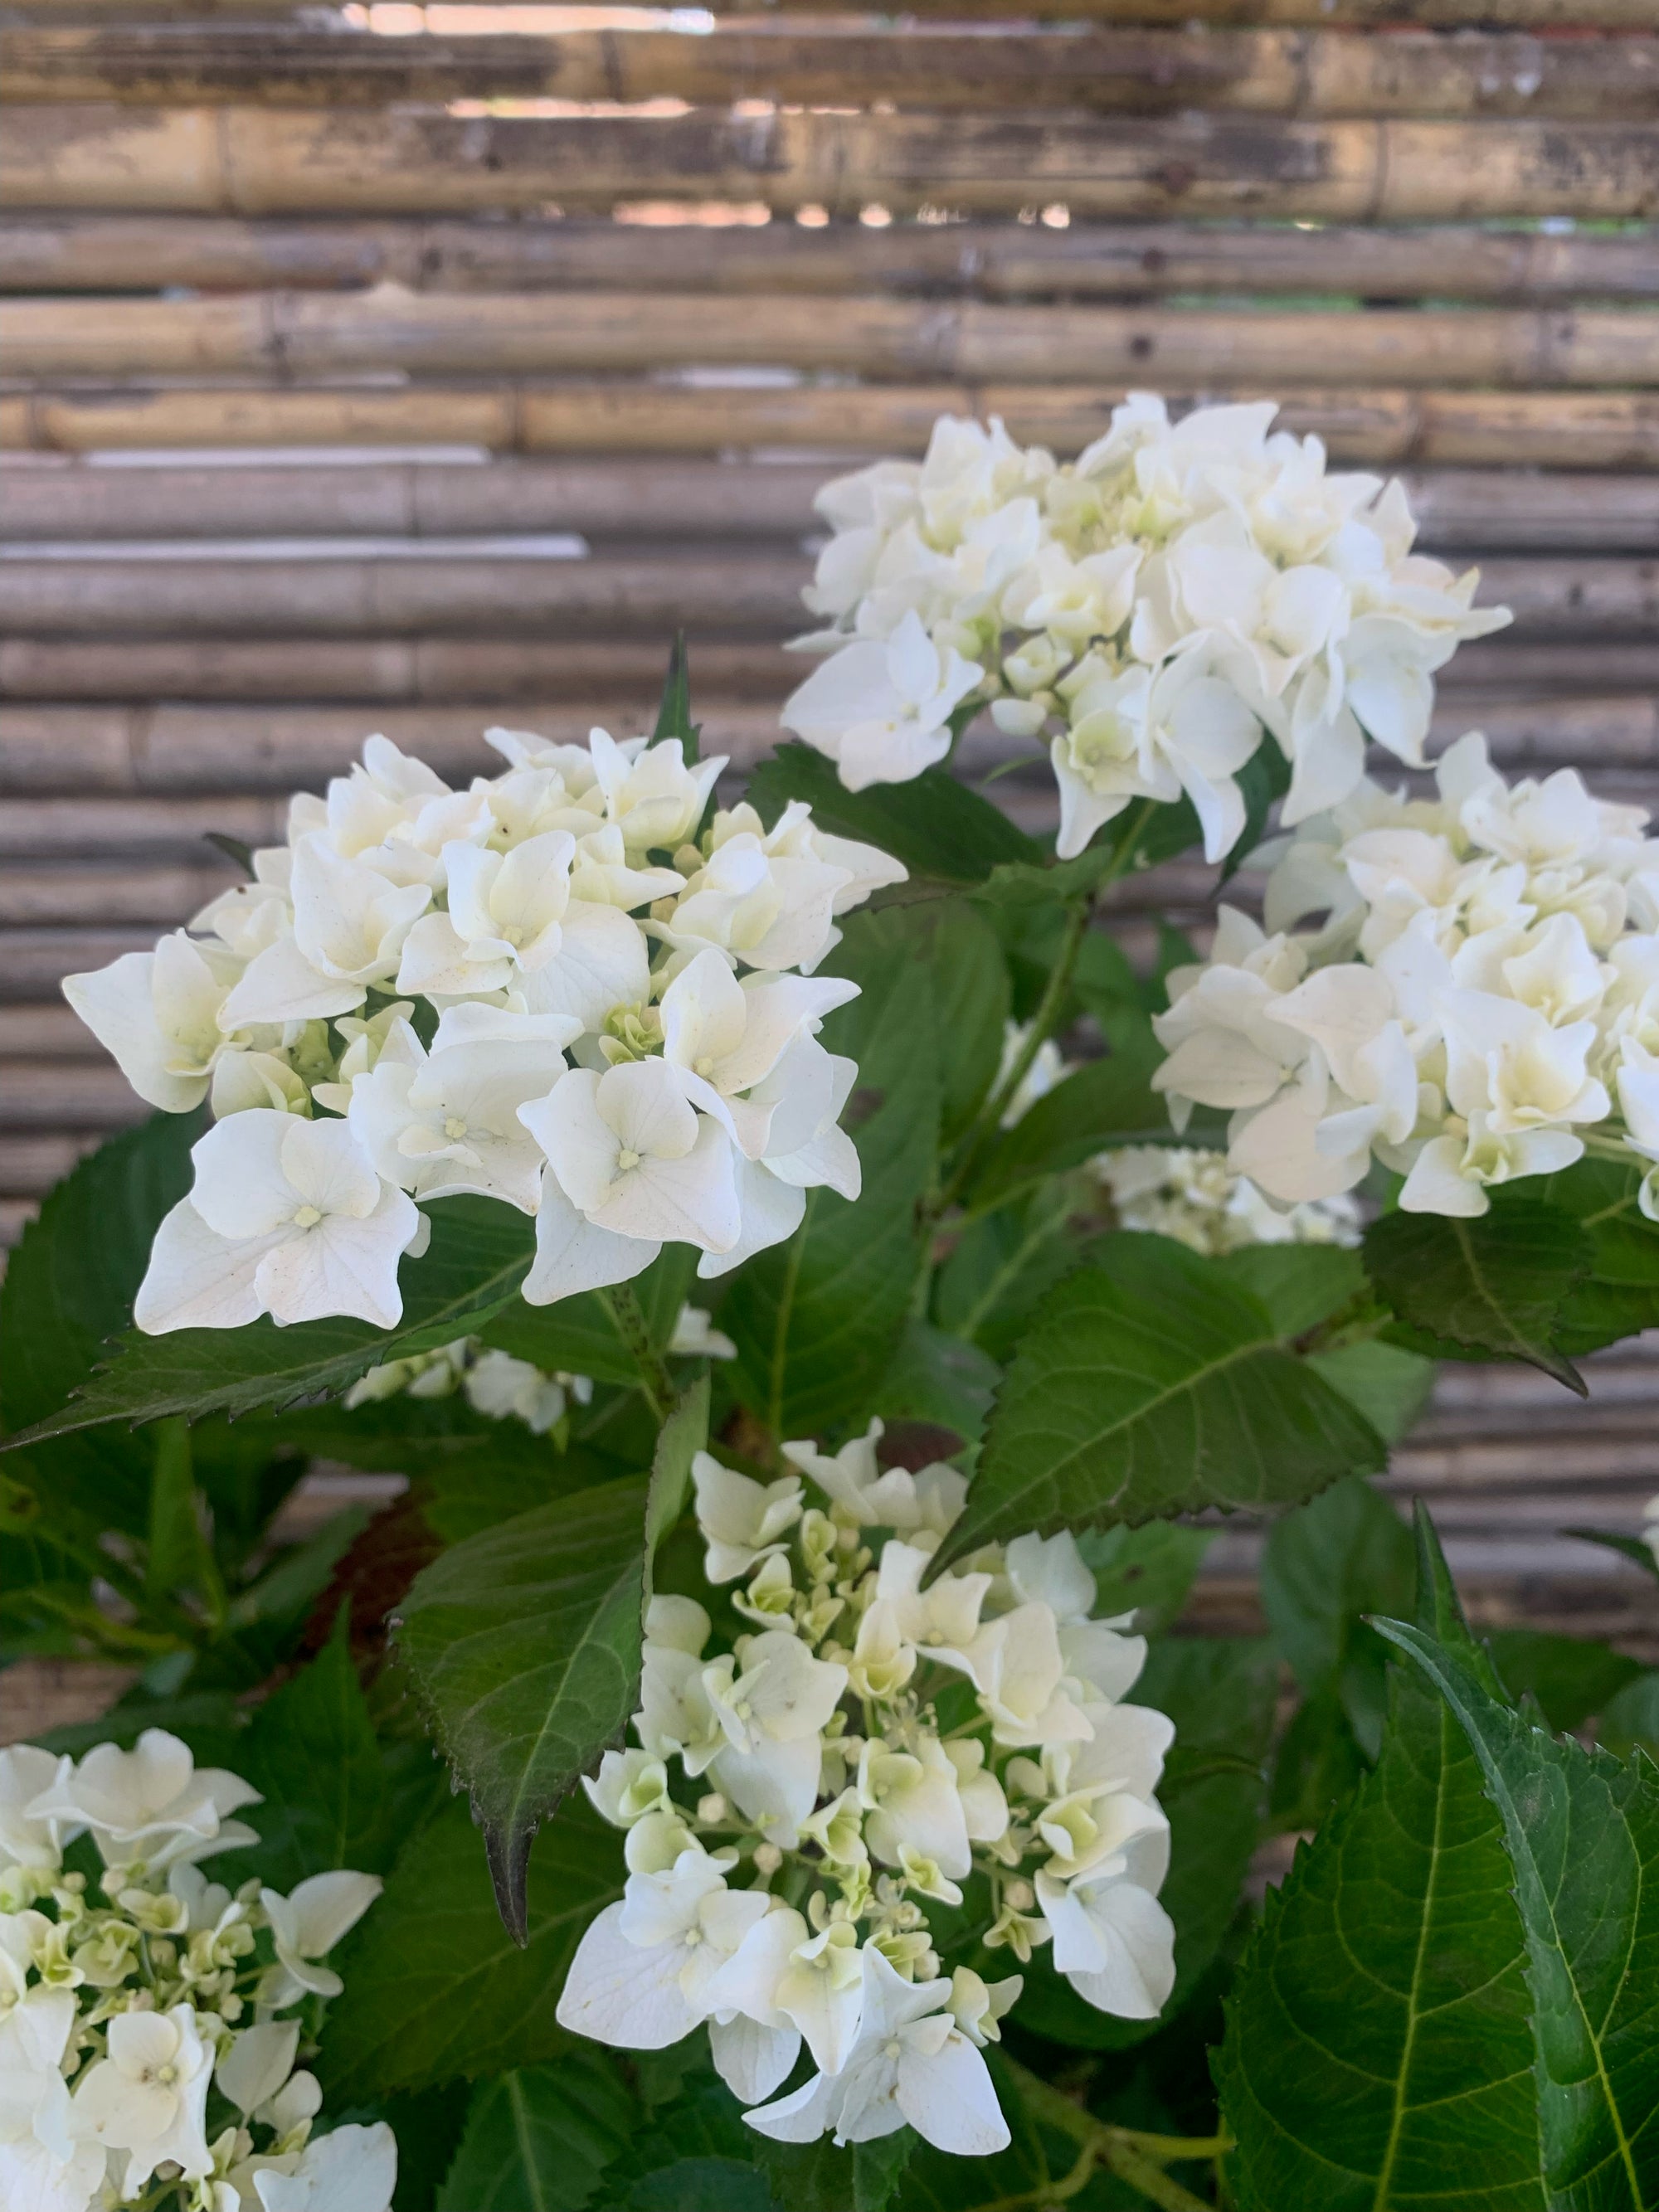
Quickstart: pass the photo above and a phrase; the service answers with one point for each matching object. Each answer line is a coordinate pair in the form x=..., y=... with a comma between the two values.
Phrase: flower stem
x=1132, y=2153
x=1143, y=2174
x=628, y=1318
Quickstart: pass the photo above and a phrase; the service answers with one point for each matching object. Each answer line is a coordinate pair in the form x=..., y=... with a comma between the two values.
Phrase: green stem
x=1139, y=2171
x=628, y=1319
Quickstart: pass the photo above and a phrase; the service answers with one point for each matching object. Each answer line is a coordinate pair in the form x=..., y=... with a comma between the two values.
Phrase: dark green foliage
x=540, y=2138
x=815, y=1320
x=1151, y=1384
x=479, y=1252
x=1496, y=1286
x=436, y=1987
x=524, y=1642
x=1377, y=2054
x=935, y=825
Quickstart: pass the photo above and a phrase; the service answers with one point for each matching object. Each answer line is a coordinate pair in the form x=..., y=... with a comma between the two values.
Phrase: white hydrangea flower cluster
x=145, y=2058
x=795, y=1803
x=501, y=1388
x=493, y=1383
x=1174, y=1190
x=1479, y=1001
x=390, y=1012
x=1148, y=610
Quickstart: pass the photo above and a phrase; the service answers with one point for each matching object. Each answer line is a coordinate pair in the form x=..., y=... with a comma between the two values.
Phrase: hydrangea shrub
x=815, y=1301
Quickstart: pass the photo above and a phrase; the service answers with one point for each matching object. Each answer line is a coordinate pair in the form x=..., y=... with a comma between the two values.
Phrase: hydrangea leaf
x=815, y=1320
x=684, y=1435
x=69, y=1289
x=1148, y=1571
x=580, y=1335
x=1106, y=1102
x=827, y=2177
x=1377, y=2056
x=1495, y=1286
x=312, y=1753
x=1619, y=1294
x=1582, y=1832
x=479, y=1252
x=541, y=2135
x=694, y=2154
x=1571, y=1678
x=936, y=826
x=1151, y=1384
x=674, y=708
x=435, y=1988
x=1345, y=1554
x=1001, y=1268
x=524, y=1643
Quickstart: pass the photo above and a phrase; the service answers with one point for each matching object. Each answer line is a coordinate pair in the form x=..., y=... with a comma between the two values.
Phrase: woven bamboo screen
x=420, y=367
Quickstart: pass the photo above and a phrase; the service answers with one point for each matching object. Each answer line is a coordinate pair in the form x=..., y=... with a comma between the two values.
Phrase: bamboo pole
x=838, y=63
x=406, y=161
x=66, y=751
x=56, y=895
x=992, y=261
x=386, y=670
x=37, y=960
x=1371, y=15
x=417, y=500
x=1379, y=428
x=499, y=671
x=34, y=829
x=311, y=335
x=53, y=1095
x=54, y=1032
x=198, y=597
x=1488, y=510
x=1561, y=668
x=61, y=753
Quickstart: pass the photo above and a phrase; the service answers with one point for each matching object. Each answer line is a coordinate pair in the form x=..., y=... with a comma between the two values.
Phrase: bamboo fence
x=418, y=381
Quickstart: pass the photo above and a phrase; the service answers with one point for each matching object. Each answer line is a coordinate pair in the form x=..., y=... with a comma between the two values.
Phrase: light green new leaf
x=479, y=1252
x=525, y=1645
x=435, y=1988
x=1496, y=1286
x=538, y=2139
x=815, y=1319
x=1150, y=1384
x=1582, y=1832
x=1377, y=2056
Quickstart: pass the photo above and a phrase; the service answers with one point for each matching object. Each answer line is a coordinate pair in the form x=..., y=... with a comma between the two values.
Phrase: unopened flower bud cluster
x=1465, y=988
x=806, y=1795
x=569, y=987
x=1148, y=611
x=151, y=2019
